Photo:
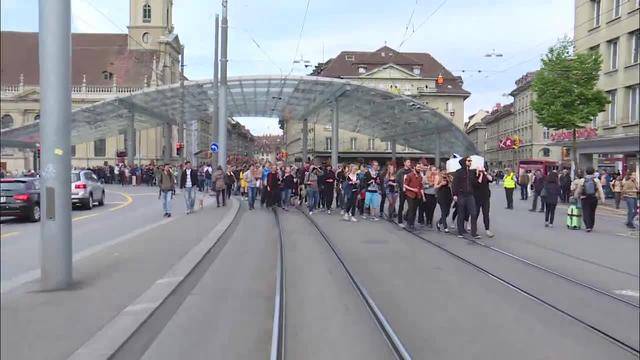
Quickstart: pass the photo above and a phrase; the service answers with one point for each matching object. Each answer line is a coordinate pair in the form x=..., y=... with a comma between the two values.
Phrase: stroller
x=574, y=215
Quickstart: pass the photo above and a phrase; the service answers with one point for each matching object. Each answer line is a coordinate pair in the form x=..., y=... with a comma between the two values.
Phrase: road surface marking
x=126, y=203
x=115, y=202
x=6, y=235
x=85, y=216
x=144, y=194
x=628, y=292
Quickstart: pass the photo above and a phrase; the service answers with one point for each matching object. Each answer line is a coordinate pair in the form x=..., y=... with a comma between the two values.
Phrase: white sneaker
x=341, y=212
x=328, y=212
x=353, y=219
x=364, y=217
x=310, y=212
x=346, y=217
x=490, y=234
x=402, y=225
x=375, y=219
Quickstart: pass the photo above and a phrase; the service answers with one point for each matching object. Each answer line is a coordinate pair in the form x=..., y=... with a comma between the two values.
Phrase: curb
x=114, y=334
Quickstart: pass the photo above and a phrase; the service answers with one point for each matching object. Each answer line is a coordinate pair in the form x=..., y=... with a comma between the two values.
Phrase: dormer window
x=349, y=57
x=416, y=70
x=362, y=69
x=146, y=13
x=106, y=75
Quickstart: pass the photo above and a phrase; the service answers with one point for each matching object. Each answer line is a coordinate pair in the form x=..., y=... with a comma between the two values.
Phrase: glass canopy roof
x=369, y=111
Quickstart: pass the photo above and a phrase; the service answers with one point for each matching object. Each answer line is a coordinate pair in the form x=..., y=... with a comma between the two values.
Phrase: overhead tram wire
x=422, y=23
x=410, y=21
x=257, y=44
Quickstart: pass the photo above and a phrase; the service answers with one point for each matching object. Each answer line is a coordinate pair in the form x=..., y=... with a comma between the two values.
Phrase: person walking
x=537, y=185
x=616, y=187
x=589, y=191
x=630, y=195
x=229, y=181
x=400, y=182
x=482, y=194
x=565, y=186
x=273, y=187
x=552, y=192
x=445, y=198
x=462, y=191
x=311, y=181
x=509, y=187
x=288, y=184
x=391, y=188
x=252, y=176
x=350, y=192
x=413, y=194
x=372, y=196
x=523, y=181
x=188, y=182
x=167, y=184
x=329, y=180
x=218, y=183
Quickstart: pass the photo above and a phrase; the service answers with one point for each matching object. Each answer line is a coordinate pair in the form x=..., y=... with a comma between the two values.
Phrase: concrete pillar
x=216, y=65
x=182, y=117
x=222, y=103
x=305, y=140
x=131, y=137
x=56, y=267
x=393, y=150
x=335, y=143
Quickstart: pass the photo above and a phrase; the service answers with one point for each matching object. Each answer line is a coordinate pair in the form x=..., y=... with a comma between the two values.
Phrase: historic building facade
x=613, y=29
x=103, y=66
x=417, y=75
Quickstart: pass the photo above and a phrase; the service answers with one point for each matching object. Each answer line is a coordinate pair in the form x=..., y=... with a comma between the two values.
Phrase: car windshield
x=13, y=186
x=75, y=177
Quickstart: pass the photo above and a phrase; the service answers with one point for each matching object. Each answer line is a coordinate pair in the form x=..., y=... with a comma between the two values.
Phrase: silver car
x=86, y=189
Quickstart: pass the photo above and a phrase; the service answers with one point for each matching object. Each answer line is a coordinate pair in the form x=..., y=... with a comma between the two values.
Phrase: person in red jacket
x=413, y=193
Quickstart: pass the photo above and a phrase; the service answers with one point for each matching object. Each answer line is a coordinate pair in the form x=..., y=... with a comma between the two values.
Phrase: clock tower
x=149, y=21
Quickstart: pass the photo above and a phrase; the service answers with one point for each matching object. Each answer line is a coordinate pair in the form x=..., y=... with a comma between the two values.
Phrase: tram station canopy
x=361, y=109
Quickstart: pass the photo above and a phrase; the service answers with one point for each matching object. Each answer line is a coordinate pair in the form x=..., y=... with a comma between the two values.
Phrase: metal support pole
x=393, y=150
x=305, y=140
x=222, y=116
x=334, y=135
x=437, y=159
x=167, y=143
x=56, y=267
x=182, y=119
x=131, y=137
x=216, y=66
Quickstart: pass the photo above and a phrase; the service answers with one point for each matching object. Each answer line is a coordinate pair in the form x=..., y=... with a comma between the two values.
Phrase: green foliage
x=565, y=88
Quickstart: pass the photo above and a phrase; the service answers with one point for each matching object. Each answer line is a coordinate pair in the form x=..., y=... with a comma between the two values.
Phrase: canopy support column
x=393, y=150
x=216, y=93
x=305, y=140
x=181, y=123
x=167, y=143
x=222, y=116
x=335, y=143
x=437, y=159
x=56, y=268
x=131, y=138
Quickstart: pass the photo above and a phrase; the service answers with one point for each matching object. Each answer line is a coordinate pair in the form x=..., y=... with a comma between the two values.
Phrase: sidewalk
x=107, y=282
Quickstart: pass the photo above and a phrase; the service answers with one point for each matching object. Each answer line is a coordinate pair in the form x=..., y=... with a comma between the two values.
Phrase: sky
x=265, y=36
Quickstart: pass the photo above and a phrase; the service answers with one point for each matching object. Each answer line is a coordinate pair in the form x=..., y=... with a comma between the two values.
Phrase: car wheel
x=35, y=213
x=101, y=202
x=89, y=204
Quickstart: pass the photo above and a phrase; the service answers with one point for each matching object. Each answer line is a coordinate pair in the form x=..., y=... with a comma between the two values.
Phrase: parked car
x=20, y=198
x=86, y=189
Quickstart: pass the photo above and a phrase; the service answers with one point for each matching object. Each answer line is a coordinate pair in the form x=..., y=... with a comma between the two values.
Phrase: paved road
x=127, y=209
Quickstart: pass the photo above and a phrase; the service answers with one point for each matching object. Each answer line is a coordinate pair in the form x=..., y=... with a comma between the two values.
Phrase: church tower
x=149, y=21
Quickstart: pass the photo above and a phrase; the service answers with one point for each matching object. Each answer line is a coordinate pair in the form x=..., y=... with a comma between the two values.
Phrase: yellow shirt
x=243, y=182
x=510, y=181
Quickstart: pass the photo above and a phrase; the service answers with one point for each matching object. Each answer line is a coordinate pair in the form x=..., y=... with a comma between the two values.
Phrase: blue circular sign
x=214, y=147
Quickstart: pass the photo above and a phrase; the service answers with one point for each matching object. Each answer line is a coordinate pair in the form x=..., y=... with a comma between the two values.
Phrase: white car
x=86, y=189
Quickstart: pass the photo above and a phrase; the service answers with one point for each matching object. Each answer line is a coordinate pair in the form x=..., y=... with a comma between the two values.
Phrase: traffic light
x=37, y=151
x=179, y=148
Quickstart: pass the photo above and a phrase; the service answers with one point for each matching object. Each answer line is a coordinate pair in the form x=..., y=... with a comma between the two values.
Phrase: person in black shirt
x=482, y=195
x=287, y=186
x=462, y=190
x=328, y=180
x=340, y=178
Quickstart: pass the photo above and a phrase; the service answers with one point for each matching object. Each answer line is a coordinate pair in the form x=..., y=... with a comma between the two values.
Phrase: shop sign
x=566, y=135
x=509, y=143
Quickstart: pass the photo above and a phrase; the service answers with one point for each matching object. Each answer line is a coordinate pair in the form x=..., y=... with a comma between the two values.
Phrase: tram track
x=278, y=343
x=626, y=345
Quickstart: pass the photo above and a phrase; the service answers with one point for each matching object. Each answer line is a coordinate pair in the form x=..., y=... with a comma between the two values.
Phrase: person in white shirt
x=188, y=181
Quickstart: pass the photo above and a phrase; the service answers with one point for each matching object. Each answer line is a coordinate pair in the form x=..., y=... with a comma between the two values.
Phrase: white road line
x=628, y=292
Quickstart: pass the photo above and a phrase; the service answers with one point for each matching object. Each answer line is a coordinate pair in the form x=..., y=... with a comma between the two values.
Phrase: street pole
x=56, y=267
x=222, y=116
x=305, y=140
x=216, y=67
x=131, y=134
x=167, y=142
x=334, y=135
x=181, y=123
x=394, y=153
x=437, y=159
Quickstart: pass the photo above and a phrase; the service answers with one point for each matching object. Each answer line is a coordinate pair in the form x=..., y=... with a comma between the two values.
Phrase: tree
x=566, y=94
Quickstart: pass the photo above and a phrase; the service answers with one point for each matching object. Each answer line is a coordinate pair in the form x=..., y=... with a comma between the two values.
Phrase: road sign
x=214, y=147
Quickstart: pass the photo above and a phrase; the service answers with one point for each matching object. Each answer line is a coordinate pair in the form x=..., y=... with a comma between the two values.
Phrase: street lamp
x=493, y=53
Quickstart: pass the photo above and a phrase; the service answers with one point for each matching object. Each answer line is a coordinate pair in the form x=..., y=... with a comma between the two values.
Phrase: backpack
x=589, y=186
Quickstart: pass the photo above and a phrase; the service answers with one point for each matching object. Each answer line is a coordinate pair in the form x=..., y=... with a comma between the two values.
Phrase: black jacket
x=552, y=191
x=463, y=180
x=481, y=189
x=538, y=184
x=194, y=178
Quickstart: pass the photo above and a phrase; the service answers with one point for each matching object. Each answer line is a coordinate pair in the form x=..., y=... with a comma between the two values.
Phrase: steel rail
x=392, y=338
x=630, y=348
x=277, y=332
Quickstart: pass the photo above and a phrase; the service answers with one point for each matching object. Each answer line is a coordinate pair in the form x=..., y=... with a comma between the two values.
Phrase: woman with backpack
x=589, y=191
x=551, y=191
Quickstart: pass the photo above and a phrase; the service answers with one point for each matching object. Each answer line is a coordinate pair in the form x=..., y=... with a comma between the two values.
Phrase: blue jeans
x=313, y=198
x=189, y=197
x=166, y=201
x=252, y=196
x=285, y=196
x=632, y=204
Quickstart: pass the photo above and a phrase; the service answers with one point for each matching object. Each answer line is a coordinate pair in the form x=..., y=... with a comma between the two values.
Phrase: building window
x=416, y=70
x=100, y=148
x=146, y=13
x=349, y=57
x=107, y=75
x=613, y=54
x=6, y=122
x=36, y=118
x=371, y=143
x=387, y=146
x=634, y=101
x=146, y=37
x=612, y=107
x=596, y=13
x=635, y=47
x=617, y=5
x=353, y=143
x=545, y=133
x=73, y=151
x=362, y=69
x=327, y=143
